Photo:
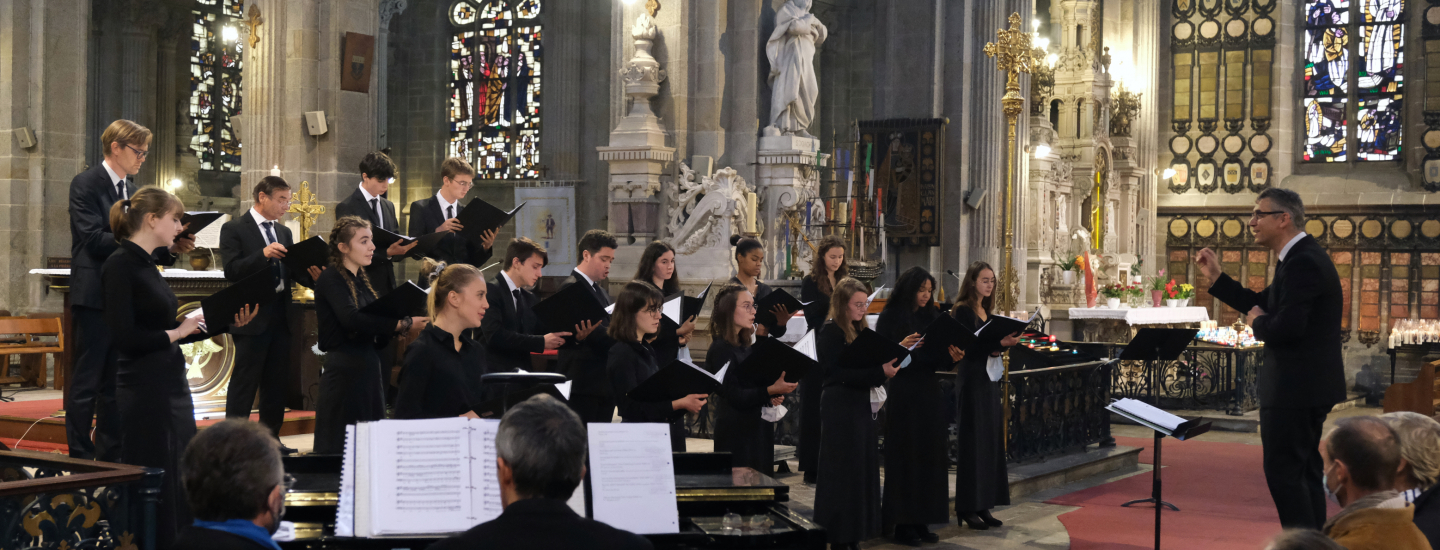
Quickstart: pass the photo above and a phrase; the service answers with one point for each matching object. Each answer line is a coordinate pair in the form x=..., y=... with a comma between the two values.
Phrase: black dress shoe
x=287, y=450
x=973, y=521
x=905, y=534
x=989, y=519
x=925, y=535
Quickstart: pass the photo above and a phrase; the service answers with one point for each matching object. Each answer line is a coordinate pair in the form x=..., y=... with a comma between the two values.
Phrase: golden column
x=306, y=210
x=1012, y=54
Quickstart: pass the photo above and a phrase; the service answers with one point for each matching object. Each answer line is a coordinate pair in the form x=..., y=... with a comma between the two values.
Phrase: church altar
x=1098, y=324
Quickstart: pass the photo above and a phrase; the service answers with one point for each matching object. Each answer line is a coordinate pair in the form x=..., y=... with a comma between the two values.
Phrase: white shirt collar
x=444, y=203
x=511, y=283
x=586, y=277
x=368, y=196
x=1290, y=244
x=114, y=177
x=260, y=219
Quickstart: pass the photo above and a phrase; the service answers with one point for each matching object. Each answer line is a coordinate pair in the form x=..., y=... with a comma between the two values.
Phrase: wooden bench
x=28, y=339
x=1417, y=395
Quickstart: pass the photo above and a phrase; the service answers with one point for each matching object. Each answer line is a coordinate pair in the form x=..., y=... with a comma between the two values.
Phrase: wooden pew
x=24, y=337
x=1417, y=395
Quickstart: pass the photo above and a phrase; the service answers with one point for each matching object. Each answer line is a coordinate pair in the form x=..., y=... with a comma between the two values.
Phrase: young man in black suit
x=377, y=171
x=584, y=361
x=508, y=329
x=236, y=484
x=256, y=241
x=92, y=386
x=540, y=455
x=438, y=213
x=1302, y=376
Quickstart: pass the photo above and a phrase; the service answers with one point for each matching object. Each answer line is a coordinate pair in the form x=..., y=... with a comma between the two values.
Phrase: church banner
x=908, y=171
x=549, y=219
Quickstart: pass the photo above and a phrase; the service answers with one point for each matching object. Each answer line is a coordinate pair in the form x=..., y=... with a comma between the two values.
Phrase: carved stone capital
x=391, y=8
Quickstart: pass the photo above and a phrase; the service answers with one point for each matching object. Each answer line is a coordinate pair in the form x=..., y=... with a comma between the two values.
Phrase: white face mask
x=1325, y=482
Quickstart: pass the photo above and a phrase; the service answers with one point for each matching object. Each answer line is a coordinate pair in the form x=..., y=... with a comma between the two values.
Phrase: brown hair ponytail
x=452, y=278
x=343, y=231
x=128, y=215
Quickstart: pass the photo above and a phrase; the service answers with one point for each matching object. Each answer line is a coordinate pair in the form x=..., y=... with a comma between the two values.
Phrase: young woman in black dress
x=916, y=432
x=352, y=386
x=815, y=289
x=441, y=376
x=981, y=479
x=151, y=391
x=657, y=267
x=632, y=361
x=749, y=259
x=847, y=490
x=739, y=427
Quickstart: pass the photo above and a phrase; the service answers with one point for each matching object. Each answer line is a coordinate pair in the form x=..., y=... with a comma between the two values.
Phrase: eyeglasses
x=465, y=184
x=653, y=310
x=288, y=482
x=1258, y=213
x=748, y=305
x=138, y=153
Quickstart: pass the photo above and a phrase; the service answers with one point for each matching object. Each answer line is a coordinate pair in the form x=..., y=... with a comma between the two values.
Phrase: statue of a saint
x=791, y=50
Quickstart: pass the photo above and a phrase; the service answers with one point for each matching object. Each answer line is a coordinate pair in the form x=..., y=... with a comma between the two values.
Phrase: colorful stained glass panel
x=1325, y=129
x=215, y=85
x=1327, y=12
x=1327, y=61
x=1378, y=128
x=495, y=92
x=1381, y=11
x=1382, y=59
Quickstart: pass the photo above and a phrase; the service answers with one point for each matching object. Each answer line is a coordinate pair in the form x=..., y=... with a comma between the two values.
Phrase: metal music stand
x=1185, y=430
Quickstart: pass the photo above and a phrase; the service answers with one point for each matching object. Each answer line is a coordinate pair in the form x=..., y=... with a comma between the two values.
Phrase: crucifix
x=306, y=210
x=253, y=23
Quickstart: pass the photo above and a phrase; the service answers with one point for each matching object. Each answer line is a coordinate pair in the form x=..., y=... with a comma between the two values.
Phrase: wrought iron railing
x=55, y=502
x=1057, y=410
x=1206, y=376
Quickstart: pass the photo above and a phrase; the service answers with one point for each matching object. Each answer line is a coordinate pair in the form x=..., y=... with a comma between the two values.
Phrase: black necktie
x=379, y=220
x=449, y=211
x=275, y=266
x=120, y=190
x=516, y=294
x=599, y=293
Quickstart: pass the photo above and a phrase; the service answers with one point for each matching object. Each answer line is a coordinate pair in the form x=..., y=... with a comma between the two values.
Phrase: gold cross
x=305, y=209
x=253, y=23
x=1011, y=51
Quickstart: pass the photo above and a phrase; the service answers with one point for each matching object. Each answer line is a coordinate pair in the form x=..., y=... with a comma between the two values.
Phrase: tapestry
x=548, y=218
x=905, y=157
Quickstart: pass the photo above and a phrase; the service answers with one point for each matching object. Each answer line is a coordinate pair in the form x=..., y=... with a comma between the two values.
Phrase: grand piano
x=707, y=488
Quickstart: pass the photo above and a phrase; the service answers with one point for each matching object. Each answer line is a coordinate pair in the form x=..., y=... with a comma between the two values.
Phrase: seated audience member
x=1419, y=468
x=1302, y=539
x=540, y=451
x=236, y=486
x=1360, y=458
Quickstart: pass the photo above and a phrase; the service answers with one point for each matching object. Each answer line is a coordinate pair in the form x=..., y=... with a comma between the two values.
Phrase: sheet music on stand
x=1151, y=417
x=1163, y=424
x=633, y=477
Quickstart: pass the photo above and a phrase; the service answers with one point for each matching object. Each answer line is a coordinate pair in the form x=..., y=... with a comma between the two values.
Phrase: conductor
x=1301, y=377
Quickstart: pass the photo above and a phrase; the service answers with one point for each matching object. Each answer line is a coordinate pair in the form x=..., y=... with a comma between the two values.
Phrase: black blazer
x=91, y=243
x=381, y=270
x=584, y=362
x=192, y=537
x=829, y=346
x=761, y=291
x=338, y=320
x=819, y=307
x=1301, y=328
x=437, y=381
x=542, y=524
x=242, y=246
x=1427, y=515
x=508, y=333
x=426, y=216
x=139, y=306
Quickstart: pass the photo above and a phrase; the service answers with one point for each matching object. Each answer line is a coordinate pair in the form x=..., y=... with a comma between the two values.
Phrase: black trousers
x=1293, y=467
x=91, y=391
x=262, y=362
x=593, y=408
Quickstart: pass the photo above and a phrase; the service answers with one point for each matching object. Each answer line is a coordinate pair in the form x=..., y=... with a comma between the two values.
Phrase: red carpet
x=19, y=417
x=1219, y=487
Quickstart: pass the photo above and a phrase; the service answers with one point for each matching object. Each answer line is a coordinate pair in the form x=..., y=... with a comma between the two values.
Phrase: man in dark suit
x=540, y=454
x=584, y=361
x=91, y=393
x=508, y=329
x=438, y=213
x=377, y=171
x=236, y=485
x=1302, y=376
x=256, y=241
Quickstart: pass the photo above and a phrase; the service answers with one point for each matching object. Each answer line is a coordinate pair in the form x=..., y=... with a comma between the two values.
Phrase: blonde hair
x=455, y=166
x=452, y=278
x=126, y=216
x=1419, y=437
x=343, y=231
x=839, y=305
x=126, y=132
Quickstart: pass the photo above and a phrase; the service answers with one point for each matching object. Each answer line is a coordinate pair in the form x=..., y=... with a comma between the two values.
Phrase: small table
x=1098, y=324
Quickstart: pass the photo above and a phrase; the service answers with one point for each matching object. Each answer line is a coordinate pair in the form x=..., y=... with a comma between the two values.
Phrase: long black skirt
x=847, y=489
x=981, y=479
x=157, y=421
x=748, y=438
x=809, y=449
x=916, y=484
x=352, y=390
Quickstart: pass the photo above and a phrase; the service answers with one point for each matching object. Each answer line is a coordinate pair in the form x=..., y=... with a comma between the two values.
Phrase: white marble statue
x=791, y=50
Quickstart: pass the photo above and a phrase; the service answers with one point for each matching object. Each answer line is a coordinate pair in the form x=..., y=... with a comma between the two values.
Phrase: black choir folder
x=480, y=216
x=870, y=349
x=942, y=333
x=407, y=300
x=299, y=257
x=777, y=297
x=195, y=222
x=567, y=308
x=678, y=379
x=221, y=307
x=1000, y=326
x=770, y=357
x=427, y=247
x=495, y=408
x=690, y=307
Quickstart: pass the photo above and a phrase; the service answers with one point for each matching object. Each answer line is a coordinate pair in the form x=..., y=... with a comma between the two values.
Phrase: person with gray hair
x=1419, y=468
x=1361, y=457
x=540, y=451
x=1302, y=539
x=1301, y=375
x=236, y=485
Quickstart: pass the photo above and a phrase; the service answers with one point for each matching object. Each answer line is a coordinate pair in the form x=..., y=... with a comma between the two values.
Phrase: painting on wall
x=549, y=219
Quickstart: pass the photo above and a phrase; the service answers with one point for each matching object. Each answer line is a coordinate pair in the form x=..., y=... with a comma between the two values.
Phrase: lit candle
x=750, y=206
x=275, y=171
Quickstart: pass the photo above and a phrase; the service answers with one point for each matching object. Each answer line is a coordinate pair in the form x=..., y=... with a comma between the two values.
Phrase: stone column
x=168, y=70
x=982, y=132
x=138, y=54
x=1148, y=28
x=263, y=124
x=388, y=10
x=748, y=93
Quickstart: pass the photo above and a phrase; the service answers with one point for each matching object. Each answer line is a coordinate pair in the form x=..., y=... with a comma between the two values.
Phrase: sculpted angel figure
x=791, y=50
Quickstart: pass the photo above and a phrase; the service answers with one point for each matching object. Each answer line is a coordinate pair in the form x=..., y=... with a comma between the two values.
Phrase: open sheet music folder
x=1157, y=419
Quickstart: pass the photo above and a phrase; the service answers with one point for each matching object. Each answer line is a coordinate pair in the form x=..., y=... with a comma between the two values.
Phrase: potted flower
x=1113, y=293
x=1186, y=293
x=1133, y=294
x=1068, y=265
x=1157, y=288
x=1135, y=269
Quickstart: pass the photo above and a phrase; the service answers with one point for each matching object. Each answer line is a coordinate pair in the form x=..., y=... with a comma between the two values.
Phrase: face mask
x=276, y=514
x=1330, y=495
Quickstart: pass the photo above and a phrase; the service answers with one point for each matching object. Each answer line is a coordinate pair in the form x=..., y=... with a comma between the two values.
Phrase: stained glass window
x=1375, y=100
x=495, y=60
x=216, y=53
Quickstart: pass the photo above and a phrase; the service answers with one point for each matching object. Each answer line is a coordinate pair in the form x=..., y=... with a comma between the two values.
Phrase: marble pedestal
x=787, y=176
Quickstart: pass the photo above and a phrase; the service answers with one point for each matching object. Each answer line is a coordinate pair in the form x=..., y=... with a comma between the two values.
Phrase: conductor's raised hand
x=690, y=403
x=1208, y=263
x=274, y=251
x=247, y=314
x=891, y=369
x=956, y=354
x=781, y=387
x=397, y=249
x=583, y=330
x=912, y=340
x=555, y=339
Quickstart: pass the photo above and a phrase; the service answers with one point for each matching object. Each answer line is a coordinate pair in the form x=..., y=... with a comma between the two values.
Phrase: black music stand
x=1159, y=422
x=525, y=379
